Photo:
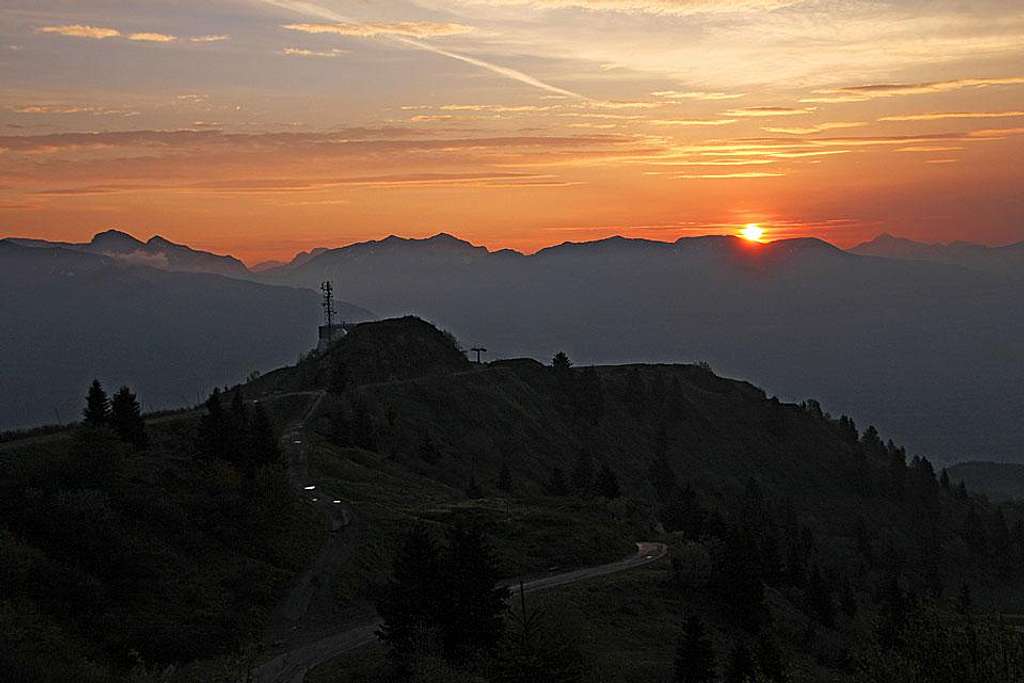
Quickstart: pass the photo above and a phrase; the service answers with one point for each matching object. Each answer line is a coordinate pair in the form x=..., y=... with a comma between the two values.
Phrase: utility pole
x=478, y=350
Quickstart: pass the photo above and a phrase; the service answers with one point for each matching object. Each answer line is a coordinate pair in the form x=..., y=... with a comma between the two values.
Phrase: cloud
x=81, y=31
x=939, y=116
x=817, y=128
x=665, y=7
x=861, y=93
x=928, y=148
x=696, y=95
x=311, y=9
x=730, y=176
x=432, y=118
x=408, y=29
x=692, y=122
x=769, y=111
x=209, y=39
x=301, y=52
x=498, y=108
x=152, y=37
x=70, y=109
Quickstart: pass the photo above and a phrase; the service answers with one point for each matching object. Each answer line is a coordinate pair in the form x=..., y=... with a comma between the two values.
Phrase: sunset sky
x=264, y=127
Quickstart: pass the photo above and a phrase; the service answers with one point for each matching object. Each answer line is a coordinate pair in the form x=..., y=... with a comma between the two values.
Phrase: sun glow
x=752, y=232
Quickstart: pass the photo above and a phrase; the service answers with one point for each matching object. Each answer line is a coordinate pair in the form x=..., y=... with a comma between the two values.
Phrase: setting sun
x=752, y=232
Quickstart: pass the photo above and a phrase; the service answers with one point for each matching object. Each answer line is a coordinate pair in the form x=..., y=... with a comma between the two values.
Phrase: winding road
x=291, y=666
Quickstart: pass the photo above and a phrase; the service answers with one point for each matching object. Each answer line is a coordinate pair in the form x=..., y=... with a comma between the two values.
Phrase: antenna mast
x=328, y=304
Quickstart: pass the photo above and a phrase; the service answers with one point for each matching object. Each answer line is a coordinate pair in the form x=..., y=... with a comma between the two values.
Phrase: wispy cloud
x=81, y=31
x=209, y=39
x=692, y=122
x=664, y=7
x=696, y=95
x=729, y=176
x=861, y=93
x=311, y=9
x=756, y=112
x=939, y=116
x=817, y=128
x=928, y=148
x=70, y=109
x=152, y=37
x=409, y=29
x=302, y=52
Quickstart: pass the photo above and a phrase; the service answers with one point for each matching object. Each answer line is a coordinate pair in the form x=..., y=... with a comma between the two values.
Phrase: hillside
x=788, y=529
x=889, y=340
x=685, y=446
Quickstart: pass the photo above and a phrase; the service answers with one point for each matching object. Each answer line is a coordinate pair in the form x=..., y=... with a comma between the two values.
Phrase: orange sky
x=265, y=127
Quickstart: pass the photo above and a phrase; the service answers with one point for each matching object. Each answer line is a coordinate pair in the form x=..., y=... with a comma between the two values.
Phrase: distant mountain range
x=933, y=353
x=929, y=349
x=156, y=253
x=1007, y=260
x=69, y=315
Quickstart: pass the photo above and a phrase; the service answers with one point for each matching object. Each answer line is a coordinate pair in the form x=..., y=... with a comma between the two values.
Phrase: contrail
x=313, y=10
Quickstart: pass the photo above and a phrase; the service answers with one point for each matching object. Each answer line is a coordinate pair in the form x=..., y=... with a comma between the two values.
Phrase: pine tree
x=264, y=447
x=589, y=396
x=741, y=665
x=337, y=382
x=683, y=512
x=583, y=473
x=770, y=660
x=126, y=418
x=660, y=473
x=819, y=598
x=472, y=616
x=505, y=479
x=737, y=581
x=97, y=406
x=560, y=362
x=695, y=655
x=428, y=450
x=558, y=486
x=607, y=484
x=871, y=441
x=213, y=433
x=944, y=480
x=410, y=602
x=539, y=648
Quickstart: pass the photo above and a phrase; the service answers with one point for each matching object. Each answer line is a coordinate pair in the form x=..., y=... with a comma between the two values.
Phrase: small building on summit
x=332, y=333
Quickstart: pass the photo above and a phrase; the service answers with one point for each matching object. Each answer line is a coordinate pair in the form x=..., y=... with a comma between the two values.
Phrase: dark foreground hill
x=821, y=551
x=931, y=352
x=69, y=316
x=766, y=493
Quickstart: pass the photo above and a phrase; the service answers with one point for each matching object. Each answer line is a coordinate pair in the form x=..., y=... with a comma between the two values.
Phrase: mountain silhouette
x=1006, y=260
x=158, y=252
